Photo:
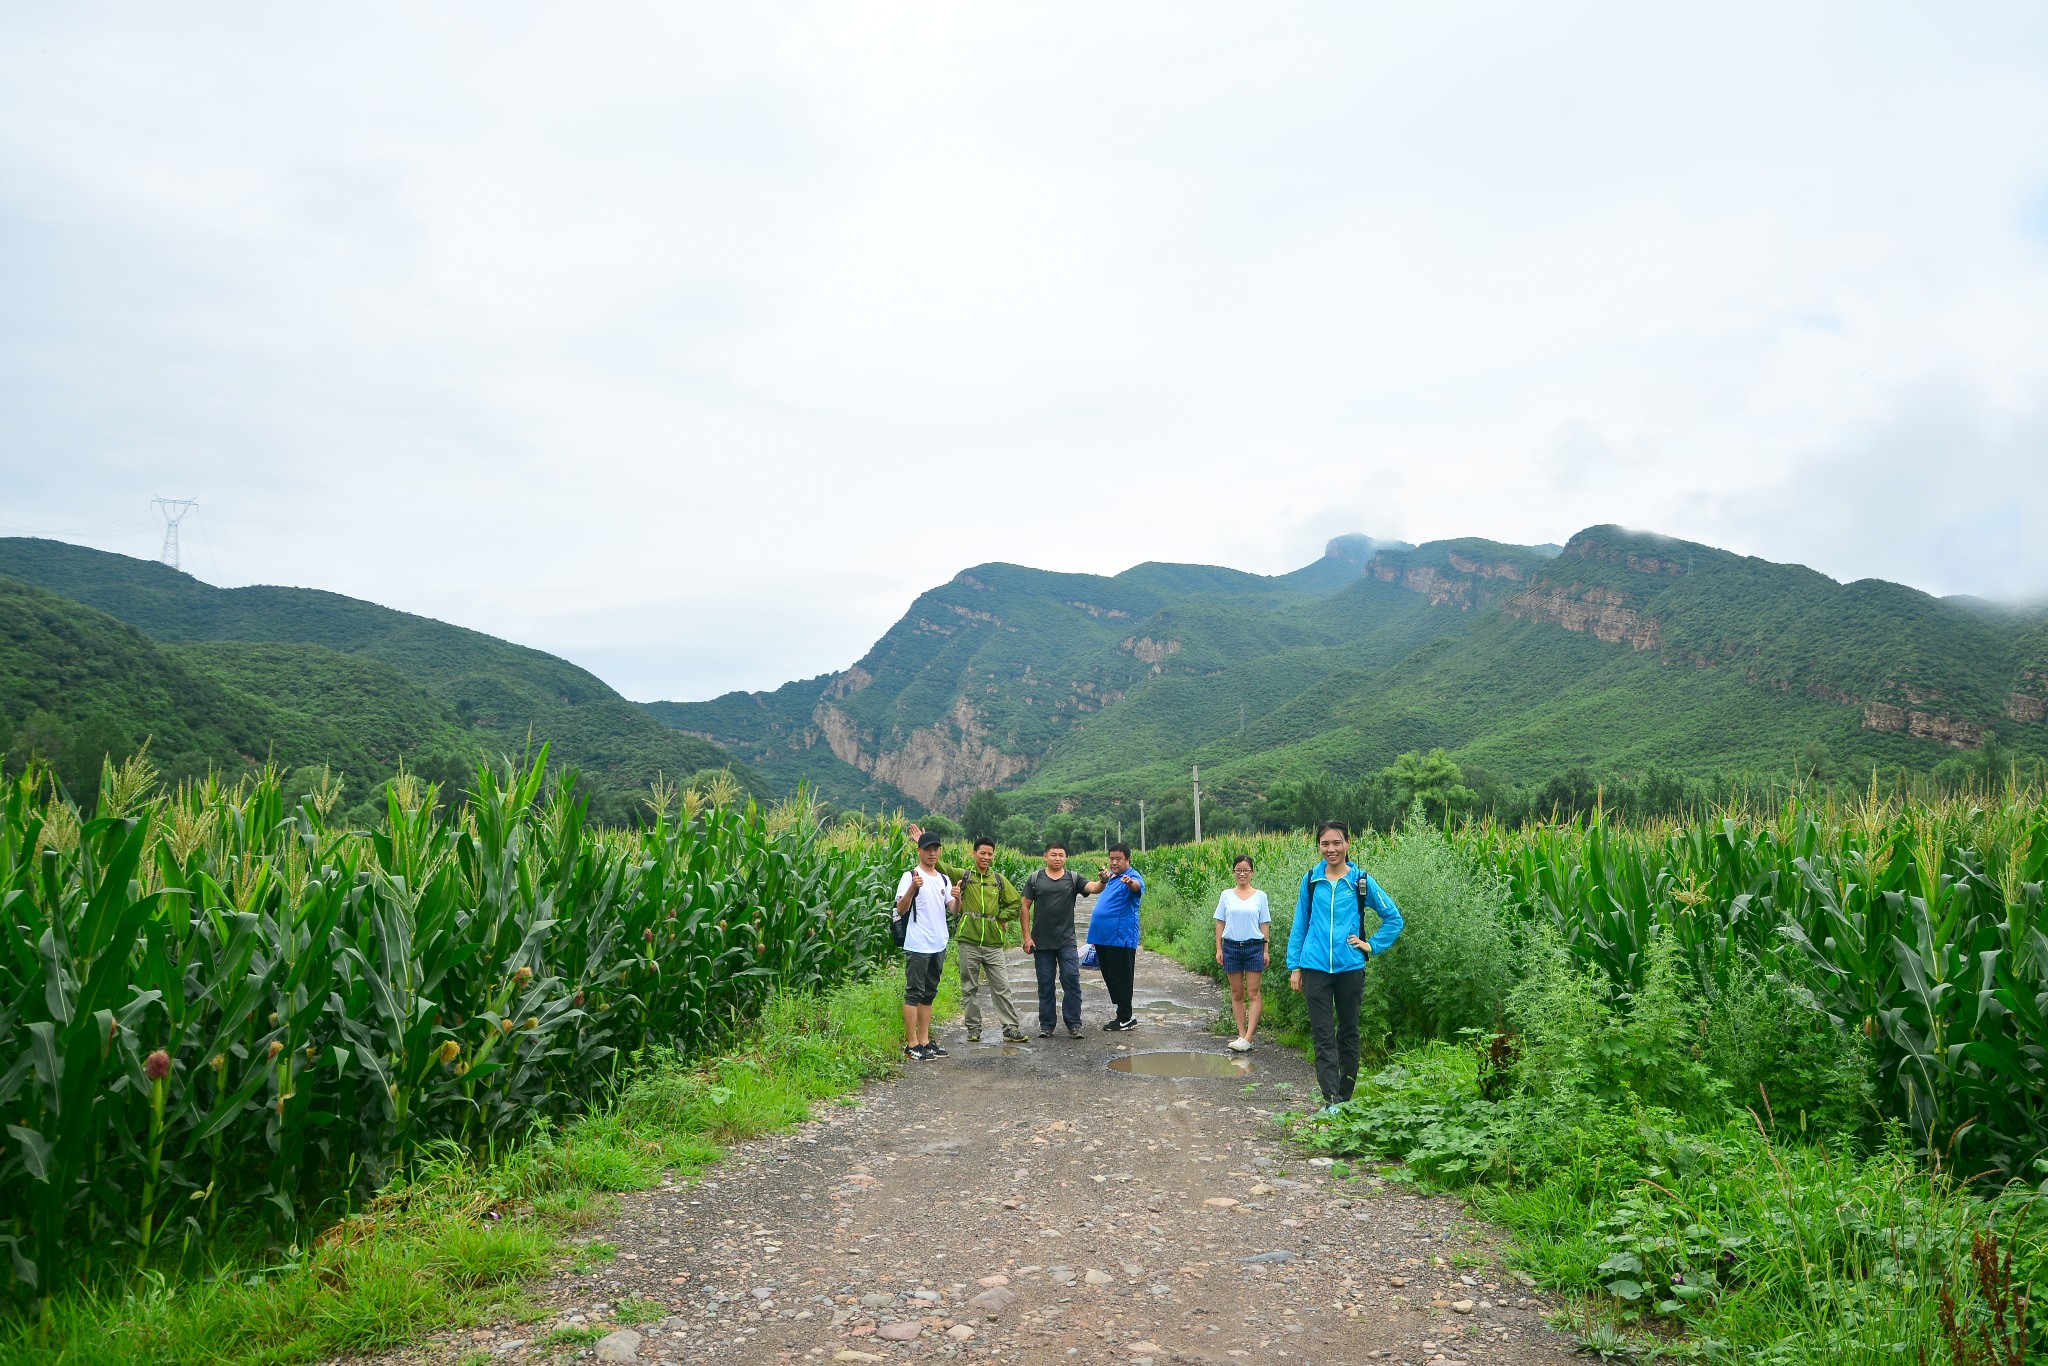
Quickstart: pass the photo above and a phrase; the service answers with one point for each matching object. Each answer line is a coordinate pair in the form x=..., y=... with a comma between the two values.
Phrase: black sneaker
x=1073, y=1031
x=1048, y=1033
x=1110, y=1026
x=1014, y=1038
x=1121, y=1025
x=914, y=1052
x=932, y=1050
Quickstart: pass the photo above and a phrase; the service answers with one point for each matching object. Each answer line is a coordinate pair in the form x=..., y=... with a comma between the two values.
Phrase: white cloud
x=692, y=342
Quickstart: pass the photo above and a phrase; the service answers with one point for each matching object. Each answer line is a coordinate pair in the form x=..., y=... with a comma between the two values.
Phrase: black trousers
x=1119, y=967
x=1333, y=999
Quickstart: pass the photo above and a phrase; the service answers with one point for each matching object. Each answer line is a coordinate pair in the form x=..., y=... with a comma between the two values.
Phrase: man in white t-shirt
x=925, y=896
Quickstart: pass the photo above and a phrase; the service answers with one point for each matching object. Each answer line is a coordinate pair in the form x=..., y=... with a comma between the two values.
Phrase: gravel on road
x=1025, y=1203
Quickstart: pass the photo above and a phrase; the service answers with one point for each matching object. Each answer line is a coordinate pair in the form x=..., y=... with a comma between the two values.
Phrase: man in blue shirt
x=1327, y=957
x=1113, y=930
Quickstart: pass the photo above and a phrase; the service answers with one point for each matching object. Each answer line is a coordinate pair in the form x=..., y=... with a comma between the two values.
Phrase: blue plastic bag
x=1089, y=960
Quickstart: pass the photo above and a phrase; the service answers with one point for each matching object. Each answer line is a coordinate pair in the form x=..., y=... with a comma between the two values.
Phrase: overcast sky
x=692, y=341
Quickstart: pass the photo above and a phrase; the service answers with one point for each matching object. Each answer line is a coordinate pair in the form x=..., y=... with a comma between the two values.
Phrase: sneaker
x=1048, y=1032
x=1328, y=1110
x=914, y=1052
x=1015, y=1038
x=1073, y=1031
x=974, y=1038
x=932, y=1050
x=1240, y=1044
x=1110, y=1026
x=1122, y=1025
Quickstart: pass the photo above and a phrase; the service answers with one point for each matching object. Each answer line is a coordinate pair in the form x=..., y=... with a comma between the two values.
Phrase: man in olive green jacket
x=988, y=905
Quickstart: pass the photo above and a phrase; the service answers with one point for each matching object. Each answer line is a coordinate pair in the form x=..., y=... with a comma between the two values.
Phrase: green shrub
x=1643, y=1048
x=1784, y=1059
x=1453, y=966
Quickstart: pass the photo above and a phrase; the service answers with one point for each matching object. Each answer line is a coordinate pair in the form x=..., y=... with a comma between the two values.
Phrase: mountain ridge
x=328, y=658
x=1650, y=650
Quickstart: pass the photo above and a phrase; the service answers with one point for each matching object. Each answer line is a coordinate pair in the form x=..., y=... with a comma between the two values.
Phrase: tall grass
x=227, y=1020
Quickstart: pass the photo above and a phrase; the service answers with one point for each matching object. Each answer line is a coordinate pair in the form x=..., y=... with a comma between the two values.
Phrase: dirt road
x=1027, y=1203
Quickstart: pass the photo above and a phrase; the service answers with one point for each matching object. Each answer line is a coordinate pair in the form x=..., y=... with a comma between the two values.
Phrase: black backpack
x=899, y=923
x=1357, y=887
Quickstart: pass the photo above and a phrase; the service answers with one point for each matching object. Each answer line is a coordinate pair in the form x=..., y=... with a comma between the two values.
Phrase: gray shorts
x=921, y=977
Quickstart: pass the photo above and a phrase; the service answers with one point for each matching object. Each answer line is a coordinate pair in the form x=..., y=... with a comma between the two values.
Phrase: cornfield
x=222, y=1018
x=1920, y=923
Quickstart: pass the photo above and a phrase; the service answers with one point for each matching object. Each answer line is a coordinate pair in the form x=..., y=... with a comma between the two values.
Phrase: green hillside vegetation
x=76, y=685
x=357, y=714
x=1621, y=659
x=368, y=684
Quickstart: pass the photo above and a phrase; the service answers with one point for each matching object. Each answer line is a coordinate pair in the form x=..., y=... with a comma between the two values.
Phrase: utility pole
x=1141, y=825
x=174, y=510
x=1198, y=803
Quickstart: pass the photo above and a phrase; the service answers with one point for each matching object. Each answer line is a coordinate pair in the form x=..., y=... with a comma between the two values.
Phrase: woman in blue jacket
x=1326, y=956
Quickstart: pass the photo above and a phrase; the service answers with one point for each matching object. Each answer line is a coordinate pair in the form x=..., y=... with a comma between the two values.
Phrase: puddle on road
x=1172, y=1063
x=1174, y=1006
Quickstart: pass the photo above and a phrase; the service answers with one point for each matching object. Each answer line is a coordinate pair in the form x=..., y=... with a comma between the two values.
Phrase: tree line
x=1447, y=791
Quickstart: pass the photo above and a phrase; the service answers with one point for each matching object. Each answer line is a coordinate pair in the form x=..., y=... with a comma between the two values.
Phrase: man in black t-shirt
x=1050, y=895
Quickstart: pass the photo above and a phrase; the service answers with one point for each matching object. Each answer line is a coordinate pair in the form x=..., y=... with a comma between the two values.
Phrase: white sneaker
x=1239, y=1045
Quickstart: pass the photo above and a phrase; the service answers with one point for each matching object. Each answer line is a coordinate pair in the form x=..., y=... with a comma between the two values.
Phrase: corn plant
x=223, y=1018
x=1919, y=924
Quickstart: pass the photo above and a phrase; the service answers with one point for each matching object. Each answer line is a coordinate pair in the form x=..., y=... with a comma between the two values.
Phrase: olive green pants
x=986, y=960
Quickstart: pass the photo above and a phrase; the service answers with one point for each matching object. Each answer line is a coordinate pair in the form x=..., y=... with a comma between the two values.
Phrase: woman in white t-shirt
x=1244, y=919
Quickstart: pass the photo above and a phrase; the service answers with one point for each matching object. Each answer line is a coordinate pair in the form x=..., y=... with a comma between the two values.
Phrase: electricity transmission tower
x=174, y=510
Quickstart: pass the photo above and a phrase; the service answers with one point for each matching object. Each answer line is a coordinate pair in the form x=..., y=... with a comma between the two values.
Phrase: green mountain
x=340, y=680
x=1619, y=650
x=75, y=683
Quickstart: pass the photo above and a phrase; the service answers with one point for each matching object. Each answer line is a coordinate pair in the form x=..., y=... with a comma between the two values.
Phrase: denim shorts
x=1244, y=955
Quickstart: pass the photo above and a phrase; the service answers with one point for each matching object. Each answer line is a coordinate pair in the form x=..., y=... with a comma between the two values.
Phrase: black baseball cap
x=929, y=840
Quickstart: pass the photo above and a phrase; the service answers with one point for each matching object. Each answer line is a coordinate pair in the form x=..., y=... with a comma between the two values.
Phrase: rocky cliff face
x=1463, y=581
x=1149, y=651
x=1882, y=716
x=1599, y=612
x=2029, y=699
x=939, y=765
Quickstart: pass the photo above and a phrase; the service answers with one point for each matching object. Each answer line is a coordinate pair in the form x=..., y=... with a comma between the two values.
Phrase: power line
x=174, y=510
x=206, y=544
